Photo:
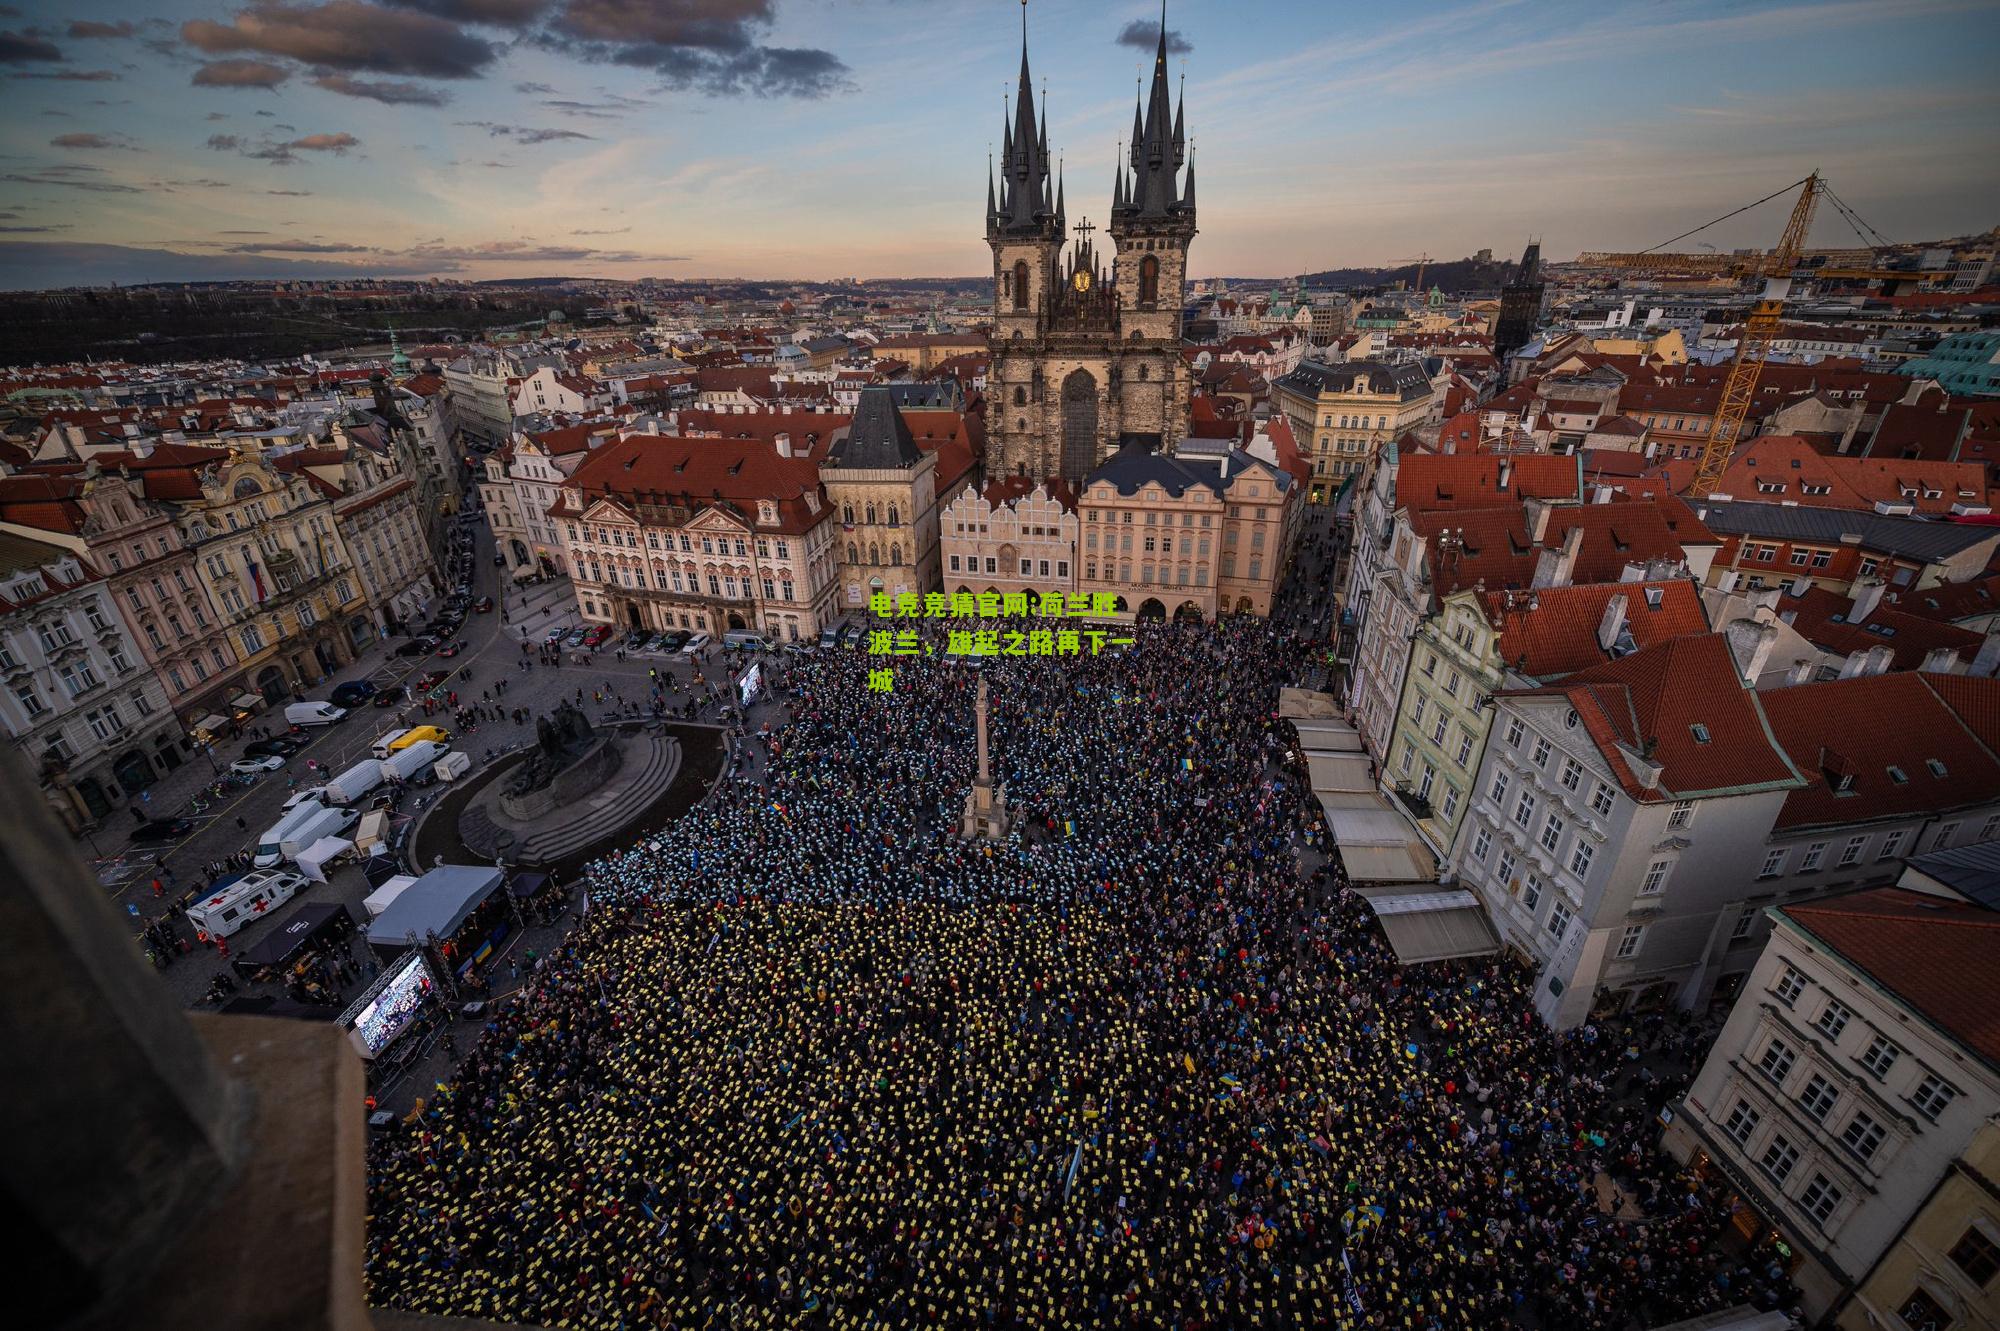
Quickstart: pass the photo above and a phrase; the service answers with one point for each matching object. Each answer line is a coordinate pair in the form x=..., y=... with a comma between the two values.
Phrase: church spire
x=1158, y=139
x=1026, y=203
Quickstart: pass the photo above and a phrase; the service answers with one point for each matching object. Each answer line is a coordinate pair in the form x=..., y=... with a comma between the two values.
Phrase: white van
x=407, y=762
x=271, y=846
x=313, y=713
x=254, y=895
x=380, y=748
x=744, y=640
x=355, y=782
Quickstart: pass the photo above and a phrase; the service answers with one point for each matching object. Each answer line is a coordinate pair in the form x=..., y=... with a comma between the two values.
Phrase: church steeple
x=1159, y=146
x=1026, y=203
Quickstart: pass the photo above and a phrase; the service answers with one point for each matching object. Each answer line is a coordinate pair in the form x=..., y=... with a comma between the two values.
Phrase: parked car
x=695, y=644
x=430, y=679
x=352, y=693
x=483, y=605
x=554, y=636
x=636, y=639
x=576, y=637
x=390, y=696
x=673, y=640
x=309, y=793
x=596, y=634
x=422, y=646
x=280, y=746
x=451, y=649
x=156, y=830
x=256, y=766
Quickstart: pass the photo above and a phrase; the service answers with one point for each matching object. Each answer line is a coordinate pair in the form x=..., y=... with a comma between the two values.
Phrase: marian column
x=985, y=808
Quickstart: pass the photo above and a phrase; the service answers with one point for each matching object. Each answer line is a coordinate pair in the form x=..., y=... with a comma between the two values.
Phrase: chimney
x=1987, y=662
x=1506, y=473
x=1867, y=596
x=784, y=442
x=1726, y=583
x=1632, y=573
x=1801, y=671
x=1538, y=521
x=1750, y=645
x=1941, y=660
x=1799, y=586
x=1612, y=622
x=1600, y=494
x=1553, y=568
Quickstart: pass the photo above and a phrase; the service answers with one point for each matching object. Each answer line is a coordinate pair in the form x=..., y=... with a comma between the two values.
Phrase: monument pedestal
x=985, y=807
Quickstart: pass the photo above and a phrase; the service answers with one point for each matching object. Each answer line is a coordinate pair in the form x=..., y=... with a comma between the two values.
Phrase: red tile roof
x=698, y=473
x=1824, y=618
x=1950, y=601
x=1429, y=482
x=1553, y=631
x=1655, y=698
x=1935, y=955
x=1856, y=730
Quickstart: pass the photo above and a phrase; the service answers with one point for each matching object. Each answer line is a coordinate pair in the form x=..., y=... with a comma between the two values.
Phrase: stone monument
x=985, y=804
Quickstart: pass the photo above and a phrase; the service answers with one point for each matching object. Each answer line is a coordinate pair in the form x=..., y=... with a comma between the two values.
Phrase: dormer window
x=1700, y=732
x=1898, y=775
x=1936, y=768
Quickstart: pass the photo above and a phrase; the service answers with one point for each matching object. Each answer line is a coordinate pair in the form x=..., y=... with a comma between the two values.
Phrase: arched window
x=1021, y=285
x=874, y=553
x=847, y=514
x=871, y=515
x=895, y=554
x=1149, y=280
x=853, y=553
x=892, y=516
x=1020, y=396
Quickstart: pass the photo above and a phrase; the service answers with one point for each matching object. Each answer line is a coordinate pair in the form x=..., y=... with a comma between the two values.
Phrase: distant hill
x=1452, y=276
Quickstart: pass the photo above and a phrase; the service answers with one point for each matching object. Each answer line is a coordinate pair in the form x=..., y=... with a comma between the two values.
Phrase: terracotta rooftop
x=1934, y=955
x=1554, y=632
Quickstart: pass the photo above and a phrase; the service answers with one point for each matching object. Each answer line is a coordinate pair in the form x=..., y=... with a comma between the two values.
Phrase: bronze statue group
x=814, y=1060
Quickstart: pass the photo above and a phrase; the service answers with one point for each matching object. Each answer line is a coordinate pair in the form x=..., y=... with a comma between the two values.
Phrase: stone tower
x=1082, y=359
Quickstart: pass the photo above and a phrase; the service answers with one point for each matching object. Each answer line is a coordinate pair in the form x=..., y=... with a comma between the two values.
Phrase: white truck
x=329, y=822
x=313, y=713
x=406, y=763
x=273, y=847
x=355, y=782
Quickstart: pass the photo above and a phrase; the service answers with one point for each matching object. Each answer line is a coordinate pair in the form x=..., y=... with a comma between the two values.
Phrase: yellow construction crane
x=1778, y=267
x=1422, y=261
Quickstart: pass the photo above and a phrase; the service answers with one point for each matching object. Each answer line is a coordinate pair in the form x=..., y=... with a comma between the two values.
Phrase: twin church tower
x=1081, y=358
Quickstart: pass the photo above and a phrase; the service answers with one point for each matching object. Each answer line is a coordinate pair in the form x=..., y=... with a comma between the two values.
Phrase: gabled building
x=1013, y=536
x=1342, y=415
x=885, y=488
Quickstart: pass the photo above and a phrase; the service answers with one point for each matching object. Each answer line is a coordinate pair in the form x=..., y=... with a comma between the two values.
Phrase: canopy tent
x=437, y=903
x=294, y=934
x=1432, y=926
x=527, y=884
x=378, y=901
x=379, y=869
x=313, y=859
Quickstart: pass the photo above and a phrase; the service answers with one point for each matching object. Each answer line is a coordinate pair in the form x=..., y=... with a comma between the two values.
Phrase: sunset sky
x=835, y=138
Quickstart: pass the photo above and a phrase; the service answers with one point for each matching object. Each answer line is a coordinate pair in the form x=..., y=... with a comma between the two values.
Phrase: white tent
x=378, y=901
x=313, y=859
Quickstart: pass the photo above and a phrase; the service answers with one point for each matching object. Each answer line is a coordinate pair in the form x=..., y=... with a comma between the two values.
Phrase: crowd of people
x=814, y=1059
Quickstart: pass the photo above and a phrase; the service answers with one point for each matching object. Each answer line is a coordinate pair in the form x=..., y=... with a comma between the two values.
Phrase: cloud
x=347, y=35
x=84, y=141
x=532, y=89
x=215, y=115
x=295, y=247
x=613, y=231
x=54, y=176
x=392, y=94
x=242, y=233
x=1144, y=35
x=589, y=110
x=18, y=48
x=69, y=75
x=240, y=74
x=325, y=143
x=53, y=226
x=282, y=151
x=521, y=251
x=291, y=193
x=225, y=143
x=522, y=133
x=498, y=13
x=85, y=28
x=704, y=45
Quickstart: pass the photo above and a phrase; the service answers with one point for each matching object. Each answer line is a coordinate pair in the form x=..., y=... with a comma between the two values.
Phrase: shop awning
x=1295, y=704
x=1432, y=926
x=1341, y=773
x=523, y=573
x=1376, y=845
x=212, y=724
x=1327, y=735
x=247, y=702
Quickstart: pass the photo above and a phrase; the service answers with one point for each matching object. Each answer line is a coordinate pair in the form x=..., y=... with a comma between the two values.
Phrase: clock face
x=1083, y=281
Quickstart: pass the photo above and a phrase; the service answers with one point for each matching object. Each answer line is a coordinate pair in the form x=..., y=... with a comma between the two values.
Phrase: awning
x=1295, y=704
x=212, y=724
x=247, y=702
x=523, y=573
x=1341, y=772
x=1433, y=926
x=1376, y=845
x=1328, y=735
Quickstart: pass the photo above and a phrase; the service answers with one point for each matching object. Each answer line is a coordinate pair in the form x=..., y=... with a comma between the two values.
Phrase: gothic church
x=1083, y=361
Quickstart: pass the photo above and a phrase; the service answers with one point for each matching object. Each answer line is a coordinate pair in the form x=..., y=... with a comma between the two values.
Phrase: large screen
x=391, y=1011
x=747, y=687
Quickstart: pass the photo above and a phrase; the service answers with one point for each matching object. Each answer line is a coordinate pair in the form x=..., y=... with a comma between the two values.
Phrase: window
x=1504, y=868
x=1629, y=941
x=1021, y=285
x=1933, y=1093
x=1572, y=774
x=1580, y=857
x=1890, y=845
x=1880, y=1056
x=1814, y=853
x=1515, y=729
x=1450, y=802
x=1464, y=754
x=1541, y=758
x=1819, y=1198
x=1552, y=831
x=1656, y=878
x=1417, y=713
x=1524, y=811
x=1778, y=1159
x=1482, y=844
x=1601, y=800
x=1833, y=1018
x=1777, y=1060
x=1437, y=730
x=1531, y=891
x=1498, y=792
x=1791, y=983
x=1682, y=815
x=1742, y=1123
x=1944, y=836
x=1559, y=918
x=1862, y=1136
x=1977, y=1256
x=1745, y=922
x=1851, y=852
x=1920, y=1312
x=1818, y=1098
